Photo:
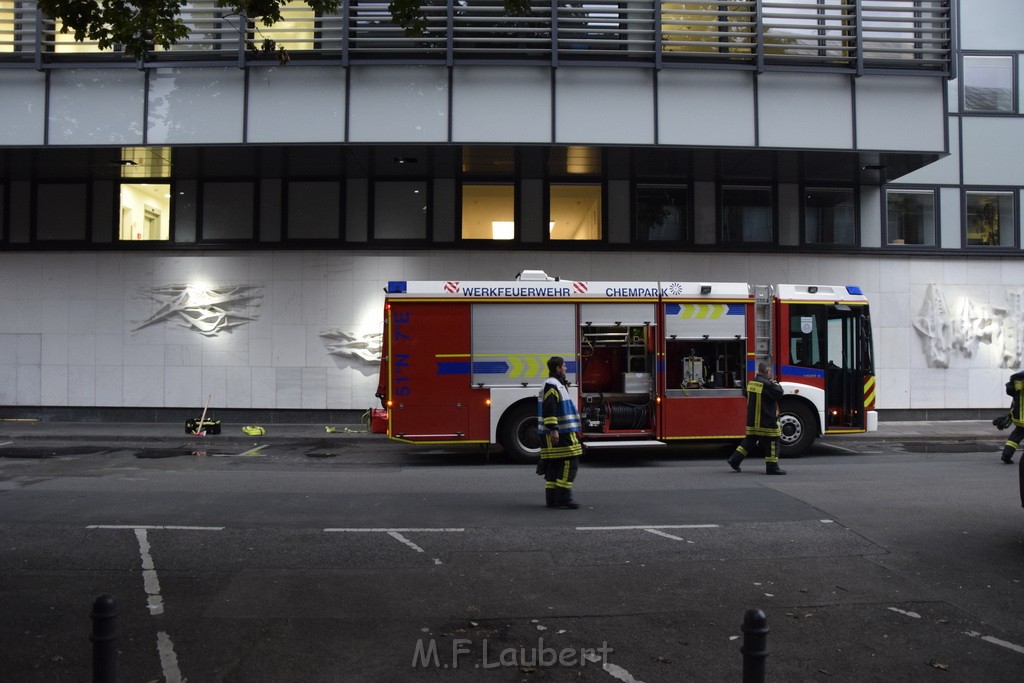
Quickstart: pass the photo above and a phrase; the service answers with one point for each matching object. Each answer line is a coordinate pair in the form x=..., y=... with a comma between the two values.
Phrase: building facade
x=213, y=220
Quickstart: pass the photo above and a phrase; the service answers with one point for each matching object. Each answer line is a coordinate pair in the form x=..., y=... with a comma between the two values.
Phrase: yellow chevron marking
x=532, y=365
x=701, y=311
x=515, y=368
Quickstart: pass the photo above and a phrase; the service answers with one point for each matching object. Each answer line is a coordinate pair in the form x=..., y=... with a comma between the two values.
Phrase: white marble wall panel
x=238, y=387
x=183, y=386
x=195, y=105
x=96, y=358
x=500, y=105
x=604, y=105
x=274, y=91
x=706, y=108
x=803, y=110
x=28, y=387
x=900, y=113
x=96, y=106
x=53, y=385
x=8, y=383
x=81, y=385
x=22, y=107
x=289, y=387
x=398, y=104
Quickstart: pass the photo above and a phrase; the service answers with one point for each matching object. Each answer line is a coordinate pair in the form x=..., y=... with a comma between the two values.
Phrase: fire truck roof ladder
x=763, y=322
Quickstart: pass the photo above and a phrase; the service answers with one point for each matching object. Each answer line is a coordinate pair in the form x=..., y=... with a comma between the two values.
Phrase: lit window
x=990, y=218
x=145, y=211
x=910, y=217
x=988, y=83
x=295, y=31
x=145, y=206
x=575, y=212
x=829, y=216
x=488, y=212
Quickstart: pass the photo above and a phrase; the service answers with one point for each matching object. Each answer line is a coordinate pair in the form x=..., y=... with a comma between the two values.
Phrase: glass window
x=662, y=214
x=228, y=211
x=829, y=216
x=575, y=212
x=988, y=83
x=990, y=218
x=400, y=210
x=910, y=216
x=314, y=210
x=145, y=211
x=747, y=215
x=17, y=26
x=295, y=30
x=488, y=211
x=61, y=210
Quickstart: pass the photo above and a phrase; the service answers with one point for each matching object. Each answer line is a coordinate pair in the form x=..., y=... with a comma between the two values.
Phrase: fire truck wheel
x=518, y=435
x=799, y=429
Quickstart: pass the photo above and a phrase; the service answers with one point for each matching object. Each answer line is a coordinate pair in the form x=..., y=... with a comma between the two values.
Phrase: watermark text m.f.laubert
x=464, y=651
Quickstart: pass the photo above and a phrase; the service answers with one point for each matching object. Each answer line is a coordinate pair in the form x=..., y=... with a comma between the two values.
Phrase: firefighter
x=1015, y=389
x=560, y=427
x=763, y=396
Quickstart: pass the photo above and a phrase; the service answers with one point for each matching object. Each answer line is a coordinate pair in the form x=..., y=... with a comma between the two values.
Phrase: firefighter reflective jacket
x=556, y=410
x=763, y=396
x=1015, y=388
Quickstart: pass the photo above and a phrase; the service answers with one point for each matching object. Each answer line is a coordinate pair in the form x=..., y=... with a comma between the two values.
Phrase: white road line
x=149, y=578
x=913, y=615
x=614, y=670
x=662, y=533
x=399, y=537
x=389, y=530
x=647, y=527
x=186, y=528
x=5, y=443
x=996, y=641
x=168, y=660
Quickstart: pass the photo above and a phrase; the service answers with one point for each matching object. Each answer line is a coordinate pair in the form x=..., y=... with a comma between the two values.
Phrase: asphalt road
x=362, y=561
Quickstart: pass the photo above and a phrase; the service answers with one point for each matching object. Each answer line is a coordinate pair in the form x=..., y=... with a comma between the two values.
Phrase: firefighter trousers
x=754, y=443
x=1013, y=442
x=559, y=474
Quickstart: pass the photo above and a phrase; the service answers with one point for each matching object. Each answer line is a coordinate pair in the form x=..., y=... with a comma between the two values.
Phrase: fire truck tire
x=799, y=428
x=517, y=433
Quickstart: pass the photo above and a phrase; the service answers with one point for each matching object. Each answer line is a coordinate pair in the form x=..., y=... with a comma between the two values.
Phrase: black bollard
x=104, y=640
x=755, y=645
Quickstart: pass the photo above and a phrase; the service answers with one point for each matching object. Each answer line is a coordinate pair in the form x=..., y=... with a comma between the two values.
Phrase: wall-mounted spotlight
x=705, y=289
x=812, y=290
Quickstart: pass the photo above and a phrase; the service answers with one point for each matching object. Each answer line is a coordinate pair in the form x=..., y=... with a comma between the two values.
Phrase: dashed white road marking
x=645, y=527
x=151, y=584
x=149, y=578
x=996, y=641
x=914, y=615
x=168, y=660
x=614, y=670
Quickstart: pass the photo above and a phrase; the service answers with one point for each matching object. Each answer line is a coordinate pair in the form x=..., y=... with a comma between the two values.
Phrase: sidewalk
x=21, y=430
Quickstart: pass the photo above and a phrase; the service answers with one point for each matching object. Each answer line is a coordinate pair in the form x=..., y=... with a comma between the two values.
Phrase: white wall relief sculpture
x=943, y=332
x=363, y=349
x=208, y=310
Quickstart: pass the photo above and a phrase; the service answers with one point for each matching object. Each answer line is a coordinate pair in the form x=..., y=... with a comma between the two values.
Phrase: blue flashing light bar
x=396, y=287
x=854, y=289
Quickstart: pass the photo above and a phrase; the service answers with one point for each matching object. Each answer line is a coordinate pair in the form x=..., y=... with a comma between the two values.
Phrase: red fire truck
x=652, y=362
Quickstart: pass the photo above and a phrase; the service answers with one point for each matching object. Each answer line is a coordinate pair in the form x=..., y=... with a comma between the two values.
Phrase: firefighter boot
x=551, y=497
x=773, y=468
x=735, y=459
x=565, y=500
x=1008, y=456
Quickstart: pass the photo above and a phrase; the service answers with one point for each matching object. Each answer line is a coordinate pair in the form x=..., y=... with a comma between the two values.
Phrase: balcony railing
x=843, y=35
